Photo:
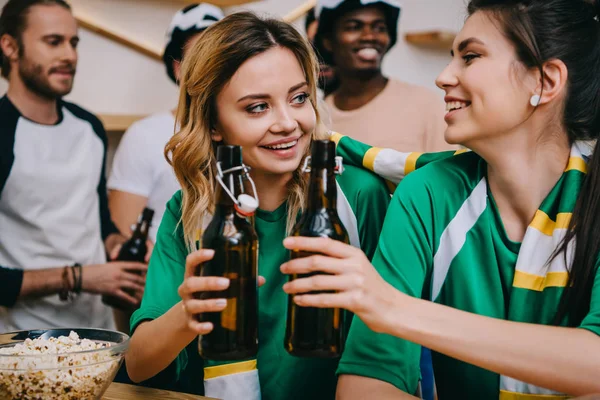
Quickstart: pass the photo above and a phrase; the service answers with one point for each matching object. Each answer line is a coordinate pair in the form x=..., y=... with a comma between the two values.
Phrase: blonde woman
x=248, y=82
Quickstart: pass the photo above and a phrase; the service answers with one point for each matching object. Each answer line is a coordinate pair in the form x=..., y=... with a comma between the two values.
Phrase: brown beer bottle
x=235, y=242
x=318, y=332
x=133, y=250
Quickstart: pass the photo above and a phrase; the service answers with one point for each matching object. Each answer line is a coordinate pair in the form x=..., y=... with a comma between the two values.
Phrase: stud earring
x=535, y=100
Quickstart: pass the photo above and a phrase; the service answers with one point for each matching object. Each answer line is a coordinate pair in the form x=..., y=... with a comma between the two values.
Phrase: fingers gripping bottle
x=134, y=250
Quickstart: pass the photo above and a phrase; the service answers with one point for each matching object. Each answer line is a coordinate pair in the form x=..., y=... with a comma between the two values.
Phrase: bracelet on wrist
x=69, y=291
x=63, y=295
x=79, y=281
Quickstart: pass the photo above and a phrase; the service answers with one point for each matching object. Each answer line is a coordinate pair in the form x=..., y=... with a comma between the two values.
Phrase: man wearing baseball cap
x=355, y=36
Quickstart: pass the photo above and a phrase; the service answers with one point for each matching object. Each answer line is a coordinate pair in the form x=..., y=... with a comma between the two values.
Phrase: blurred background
x=121, y=84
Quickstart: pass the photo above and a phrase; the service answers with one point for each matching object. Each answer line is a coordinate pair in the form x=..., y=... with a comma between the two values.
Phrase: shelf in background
x=118, y=122
x=299, y=11
x=441, y=40
x=92, y=24
x=89, y=23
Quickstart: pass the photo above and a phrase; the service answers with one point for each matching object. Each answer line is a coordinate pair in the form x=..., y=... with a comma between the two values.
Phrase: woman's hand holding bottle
x=195, y=284
x=349, y=281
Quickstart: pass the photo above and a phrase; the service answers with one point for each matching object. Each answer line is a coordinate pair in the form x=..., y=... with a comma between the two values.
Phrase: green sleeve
x=369, y=198
x=428, y=158
x=404, y=258
x=352, y=151
x=592, y=321
x=165, y=273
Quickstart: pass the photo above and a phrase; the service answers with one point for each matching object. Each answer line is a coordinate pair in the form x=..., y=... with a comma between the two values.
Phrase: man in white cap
x=354, y=36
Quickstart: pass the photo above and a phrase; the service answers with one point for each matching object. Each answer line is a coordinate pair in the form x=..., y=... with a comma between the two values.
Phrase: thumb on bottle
x=115, y=252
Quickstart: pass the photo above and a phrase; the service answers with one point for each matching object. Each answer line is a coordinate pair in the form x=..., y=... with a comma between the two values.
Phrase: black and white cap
x=188, y=22
x=327, y=11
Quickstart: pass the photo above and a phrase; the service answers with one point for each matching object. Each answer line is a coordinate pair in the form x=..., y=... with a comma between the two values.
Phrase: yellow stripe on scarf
x=336, y=137
x=504, y=395
x=578, y=164
x=543, y=223
x=369, y=158
x=538, y=283
x=411, y=163
x=229, y=369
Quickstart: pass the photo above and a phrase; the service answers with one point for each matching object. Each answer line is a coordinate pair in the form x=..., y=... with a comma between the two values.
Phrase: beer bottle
x=133, y=250
x=235, y=242
x=318, y=332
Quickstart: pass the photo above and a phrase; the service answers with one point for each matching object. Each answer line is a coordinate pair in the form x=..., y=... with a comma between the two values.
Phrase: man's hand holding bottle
x=123, y=278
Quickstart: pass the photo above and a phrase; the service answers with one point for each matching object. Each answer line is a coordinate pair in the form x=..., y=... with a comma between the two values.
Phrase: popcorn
x=59, y=372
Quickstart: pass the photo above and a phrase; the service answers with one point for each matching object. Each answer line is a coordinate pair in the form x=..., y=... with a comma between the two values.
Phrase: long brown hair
x=208, y=67
x=568, y=30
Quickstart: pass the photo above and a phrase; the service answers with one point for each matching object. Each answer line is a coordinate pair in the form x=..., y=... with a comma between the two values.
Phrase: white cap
x=247, y=204
x=199, y=16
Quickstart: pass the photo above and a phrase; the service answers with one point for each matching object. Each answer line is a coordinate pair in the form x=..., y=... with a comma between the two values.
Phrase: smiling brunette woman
x=487, y=236
x=247, y=82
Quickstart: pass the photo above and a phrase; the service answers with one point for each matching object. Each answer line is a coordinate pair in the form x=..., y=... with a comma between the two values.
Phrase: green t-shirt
x=446, y=207
x=281, y=376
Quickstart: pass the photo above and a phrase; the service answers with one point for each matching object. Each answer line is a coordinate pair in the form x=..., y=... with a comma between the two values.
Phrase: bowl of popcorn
x=59, y=364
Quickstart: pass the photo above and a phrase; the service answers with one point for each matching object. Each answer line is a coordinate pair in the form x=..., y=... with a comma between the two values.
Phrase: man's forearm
x=43, y=282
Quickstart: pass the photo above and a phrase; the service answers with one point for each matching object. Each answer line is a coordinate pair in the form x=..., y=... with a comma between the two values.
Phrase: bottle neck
x=141, y=230
x=322, y=192
x=223, y=201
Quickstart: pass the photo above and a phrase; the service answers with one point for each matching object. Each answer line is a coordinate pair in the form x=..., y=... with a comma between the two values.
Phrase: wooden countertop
x=119, y=391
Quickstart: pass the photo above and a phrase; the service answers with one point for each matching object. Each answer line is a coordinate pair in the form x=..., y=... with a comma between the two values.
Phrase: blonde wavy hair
x=208, y=67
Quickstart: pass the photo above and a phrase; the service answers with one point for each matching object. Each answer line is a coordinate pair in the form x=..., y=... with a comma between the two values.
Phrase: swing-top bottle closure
x=339, y=165
x=244, y=204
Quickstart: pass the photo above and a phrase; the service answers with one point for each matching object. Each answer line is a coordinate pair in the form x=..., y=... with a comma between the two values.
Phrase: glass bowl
x=52, y=365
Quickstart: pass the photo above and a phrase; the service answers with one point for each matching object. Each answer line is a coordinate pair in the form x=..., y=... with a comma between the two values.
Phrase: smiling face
x=265, y=109
x=359, y=40
x=487, y=88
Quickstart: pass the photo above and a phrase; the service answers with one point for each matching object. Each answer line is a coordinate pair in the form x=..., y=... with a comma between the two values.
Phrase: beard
x=36, y=80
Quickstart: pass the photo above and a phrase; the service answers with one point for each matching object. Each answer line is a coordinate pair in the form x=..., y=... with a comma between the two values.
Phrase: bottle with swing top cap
x=235, y=242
